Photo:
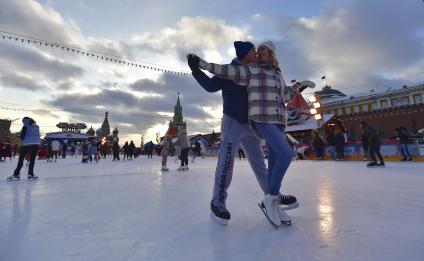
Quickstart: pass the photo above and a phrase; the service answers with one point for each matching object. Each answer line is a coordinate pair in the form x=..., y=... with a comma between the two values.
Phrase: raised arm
x=209, y=84
x=239, y=74
x=298, y=87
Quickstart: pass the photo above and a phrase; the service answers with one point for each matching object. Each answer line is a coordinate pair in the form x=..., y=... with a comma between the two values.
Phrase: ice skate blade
x=264, y=211
x=13, y=179
x=287, y=223
x=218, y=220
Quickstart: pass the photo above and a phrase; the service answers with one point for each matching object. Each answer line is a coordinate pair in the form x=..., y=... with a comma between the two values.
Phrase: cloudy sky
x=358, y=44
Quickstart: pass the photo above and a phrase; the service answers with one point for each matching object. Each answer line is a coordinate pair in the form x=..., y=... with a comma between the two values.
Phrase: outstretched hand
x=305, y=84
x=193, y=62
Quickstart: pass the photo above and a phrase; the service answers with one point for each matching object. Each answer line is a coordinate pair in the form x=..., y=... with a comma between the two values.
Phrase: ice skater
x=92, y=151
x=184, y=145
x=166, y=151
x=403, y=137
x=196, y=151
x=55, y=149
x=236, y=130
x=30, y=135
x=374, y=145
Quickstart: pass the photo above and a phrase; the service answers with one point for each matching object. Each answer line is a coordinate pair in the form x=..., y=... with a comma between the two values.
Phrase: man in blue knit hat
x=235, y=132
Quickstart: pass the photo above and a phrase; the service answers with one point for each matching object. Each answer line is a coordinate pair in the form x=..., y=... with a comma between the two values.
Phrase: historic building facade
x=385, y=111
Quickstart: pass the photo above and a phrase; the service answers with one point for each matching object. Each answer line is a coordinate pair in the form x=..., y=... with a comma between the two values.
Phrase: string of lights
x=43, y=110
x=34, y=109
x=106, y=57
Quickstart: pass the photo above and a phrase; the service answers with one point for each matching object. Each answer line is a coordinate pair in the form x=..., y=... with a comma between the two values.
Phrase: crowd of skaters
x=336, y=138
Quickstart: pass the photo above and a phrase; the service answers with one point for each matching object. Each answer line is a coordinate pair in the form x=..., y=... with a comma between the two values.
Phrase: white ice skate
x=269, y=207
x=181, y=168
x=164, y=168
x=13, y=177
x=285, y=219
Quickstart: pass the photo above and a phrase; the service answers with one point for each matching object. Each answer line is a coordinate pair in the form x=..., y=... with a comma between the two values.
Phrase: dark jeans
x=241, y=154
x=116, y=155
x=319, y=152
x=340, y=151
x=374, y=149
x=29, y=149
x=404, y=150
x=184, y=156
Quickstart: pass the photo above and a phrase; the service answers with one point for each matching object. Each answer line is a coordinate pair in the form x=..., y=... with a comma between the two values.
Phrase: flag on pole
x=323, y=77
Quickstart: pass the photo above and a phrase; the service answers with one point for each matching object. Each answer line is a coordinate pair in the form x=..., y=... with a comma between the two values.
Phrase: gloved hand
x=193, y=62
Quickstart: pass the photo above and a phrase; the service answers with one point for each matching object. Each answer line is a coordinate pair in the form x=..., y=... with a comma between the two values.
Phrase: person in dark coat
x=64, y=149
x=115, y=149
x=365, y=145
x=149, y=148
x=318, y=145
x=374, y=145
x=126, y=149
x=331, y=143
x=403, y=137
x=131, y=150
x=340, y=141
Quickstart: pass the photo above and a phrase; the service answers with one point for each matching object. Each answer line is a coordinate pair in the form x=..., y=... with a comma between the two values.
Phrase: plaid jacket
x=267, y=91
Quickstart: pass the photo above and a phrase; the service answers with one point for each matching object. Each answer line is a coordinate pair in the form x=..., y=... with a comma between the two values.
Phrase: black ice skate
x=220, y=215
x=288, y=202
x=381, y=165
x=32, y=177
x=13, y=177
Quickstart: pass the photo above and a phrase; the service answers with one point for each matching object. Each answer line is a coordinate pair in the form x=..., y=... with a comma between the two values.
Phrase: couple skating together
x=254, y=95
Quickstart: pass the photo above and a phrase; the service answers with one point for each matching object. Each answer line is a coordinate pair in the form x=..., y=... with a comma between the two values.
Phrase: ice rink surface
x=132, y=211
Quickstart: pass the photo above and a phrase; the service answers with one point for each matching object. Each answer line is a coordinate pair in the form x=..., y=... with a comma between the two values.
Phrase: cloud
x=134, y=113
x=17, y=81
x=357, y=43
x=31, y=61
x=191, y=34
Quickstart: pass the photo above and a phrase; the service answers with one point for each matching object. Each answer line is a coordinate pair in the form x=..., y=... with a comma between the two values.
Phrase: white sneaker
x=271, y=208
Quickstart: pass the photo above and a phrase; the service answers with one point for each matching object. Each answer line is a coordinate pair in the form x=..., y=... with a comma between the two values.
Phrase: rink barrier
x=353, y=150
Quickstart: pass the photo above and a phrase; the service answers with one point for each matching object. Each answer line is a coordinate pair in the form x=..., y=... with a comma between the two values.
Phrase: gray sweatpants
x=234, y=134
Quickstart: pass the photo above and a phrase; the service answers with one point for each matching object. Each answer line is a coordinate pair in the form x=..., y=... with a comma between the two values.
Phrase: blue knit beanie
x=242, y=48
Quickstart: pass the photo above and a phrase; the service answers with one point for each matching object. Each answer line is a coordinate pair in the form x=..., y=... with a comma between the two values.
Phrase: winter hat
x=28, y=120
x=242, y=48
x=270, y=45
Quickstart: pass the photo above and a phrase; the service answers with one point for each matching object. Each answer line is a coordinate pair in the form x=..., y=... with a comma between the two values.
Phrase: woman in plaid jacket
x=267, y=94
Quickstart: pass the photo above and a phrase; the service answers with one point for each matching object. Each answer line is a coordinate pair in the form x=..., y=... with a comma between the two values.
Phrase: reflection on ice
x=325, y=209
